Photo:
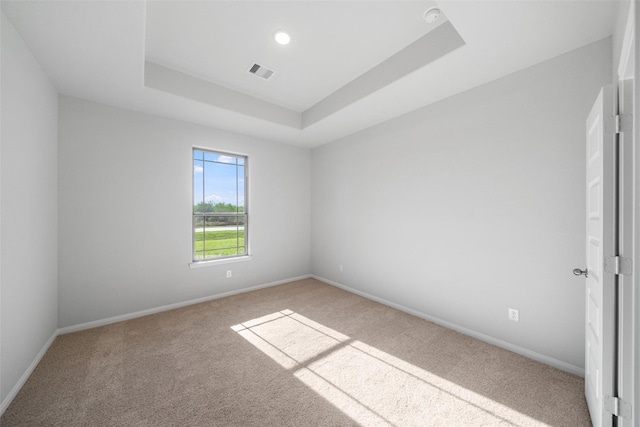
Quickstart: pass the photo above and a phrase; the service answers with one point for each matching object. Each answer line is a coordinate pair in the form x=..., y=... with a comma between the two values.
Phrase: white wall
x=125, y=212
x=636, y=363
x=28, y=210
x=470, y=206
x=619, y=27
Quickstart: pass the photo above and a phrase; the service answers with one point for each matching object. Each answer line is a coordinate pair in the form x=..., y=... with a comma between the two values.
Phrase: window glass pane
x=198, y=182
x=221, y=253
x=229, y=160
x=198, y=237
x=197, y=155
x=211, y=156
x=222, y=236
x=220, y=187
x=241, y=160
x=220, y=158
x=241, y=185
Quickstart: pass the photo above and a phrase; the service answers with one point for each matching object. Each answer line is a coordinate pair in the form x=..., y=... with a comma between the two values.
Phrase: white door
x=600, y=315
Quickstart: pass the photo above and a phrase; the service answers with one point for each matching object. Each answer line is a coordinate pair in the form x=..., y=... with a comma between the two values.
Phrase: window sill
x=211, y=263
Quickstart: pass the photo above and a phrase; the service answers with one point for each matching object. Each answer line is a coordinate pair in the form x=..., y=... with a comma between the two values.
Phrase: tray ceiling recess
x=337, y=53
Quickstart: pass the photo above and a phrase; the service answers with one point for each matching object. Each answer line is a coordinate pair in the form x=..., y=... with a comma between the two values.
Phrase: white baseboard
x=122, y=317
x=23, y=379
x=559, y=364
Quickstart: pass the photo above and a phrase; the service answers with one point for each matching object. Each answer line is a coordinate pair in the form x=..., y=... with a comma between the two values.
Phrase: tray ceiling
x=350, y=64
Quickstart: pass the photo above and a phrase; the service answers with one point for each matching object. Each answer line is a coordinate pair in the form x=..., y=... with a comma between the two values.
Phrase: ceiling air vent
x=261, y=71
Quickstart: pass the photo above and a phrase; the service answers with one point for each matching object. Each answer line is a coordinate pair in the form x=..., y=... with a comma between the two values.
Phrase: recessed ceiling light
x=432, y=15
x=282, y=37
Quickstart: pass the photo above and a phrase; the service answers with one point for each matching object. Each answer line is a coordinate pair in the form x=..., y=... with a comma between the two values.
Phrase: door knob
x=579, y=272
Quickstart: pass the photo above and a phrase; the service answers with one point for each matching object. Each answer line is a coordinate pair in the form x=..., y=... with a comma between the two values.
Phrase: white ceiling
x=97, y=50
x=332, y=43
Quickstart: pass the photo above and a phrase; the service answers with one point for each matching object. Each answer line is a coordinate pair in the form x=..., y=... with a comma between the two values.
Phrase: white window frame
x=196, y=263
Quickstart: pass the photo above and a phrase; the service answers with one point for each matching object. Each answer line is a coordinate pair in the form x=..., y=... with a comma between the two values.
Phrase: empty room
x=319, y=213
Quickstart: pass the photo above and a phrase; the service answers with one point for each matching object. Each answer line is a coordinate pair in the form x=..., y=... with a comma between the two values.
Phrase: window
x=220, y=216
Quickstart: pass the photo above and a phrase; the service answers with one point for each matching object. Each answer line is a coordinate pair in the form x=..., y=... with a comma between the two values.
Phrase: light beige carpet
x=299, y=354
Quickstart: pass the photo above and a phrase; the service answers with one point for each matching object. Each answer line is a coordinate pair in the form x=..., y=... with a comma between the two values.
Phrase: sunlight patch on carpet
x=370, y=386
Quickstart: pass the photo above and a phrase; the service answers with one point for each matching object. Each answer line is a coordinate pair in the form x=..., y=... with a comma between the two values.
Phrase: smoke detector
x=432, y=15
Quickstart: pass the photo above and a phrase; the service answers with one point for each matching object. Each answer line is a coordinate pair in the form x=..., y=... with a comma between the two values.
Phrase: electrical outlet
x=228, y=273
x=514, y=315
x=340, y=267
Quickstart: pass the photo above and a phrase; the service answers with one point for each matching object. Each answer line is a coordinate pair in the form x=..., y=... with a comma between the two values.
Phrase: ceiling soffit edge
x=418, y=54
x=428, y=48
